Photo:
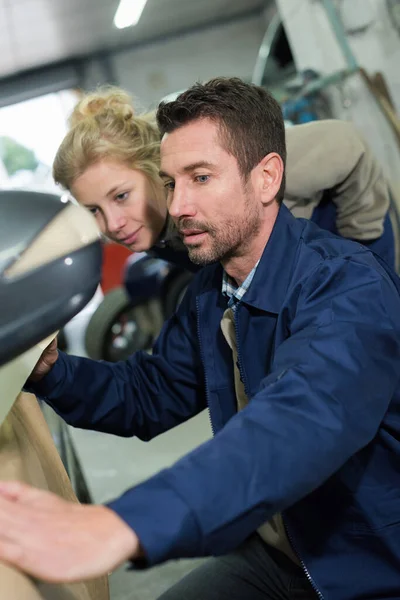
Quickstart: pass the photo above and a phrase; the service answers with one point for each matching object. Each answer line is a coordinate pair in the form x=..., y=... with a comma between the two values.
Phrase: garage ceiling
x=34, y=33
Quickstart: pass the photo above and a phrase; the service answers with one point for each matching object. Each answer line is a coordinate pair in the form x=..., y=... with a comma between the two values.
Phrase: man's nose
x=180, y=203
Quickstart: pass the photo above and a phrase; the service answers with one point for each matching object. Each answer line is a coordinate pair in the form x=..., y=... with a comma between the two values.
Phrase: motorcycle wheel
x=117, y=329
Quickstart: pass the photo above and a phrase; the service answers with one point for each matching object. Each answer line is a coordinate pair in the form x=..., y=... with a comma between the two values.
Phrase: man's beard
x=230, y=239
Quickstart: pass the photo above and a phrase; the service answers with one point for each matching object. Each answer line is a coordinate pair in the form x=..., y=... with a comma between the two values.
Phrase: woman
x=109, y=161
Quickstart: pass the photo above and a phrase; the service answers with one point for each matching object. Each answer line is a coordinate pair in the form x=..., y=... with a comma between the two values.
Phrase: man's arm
x=330, y=387
x=332, y=155
x=143, y=396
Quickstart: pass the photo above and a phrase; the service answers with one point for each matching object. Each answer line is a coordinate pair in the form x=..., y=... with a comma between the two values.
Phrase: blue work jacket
x=318, y=336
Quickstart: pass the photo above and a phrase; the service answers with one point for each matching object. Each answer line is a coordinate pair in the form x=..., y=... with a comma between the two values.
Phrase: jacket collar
x=272, y=277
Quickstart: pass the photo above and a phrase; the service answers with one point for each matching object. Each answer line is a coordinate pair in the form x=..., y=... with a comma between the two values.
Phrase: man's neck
x=238, y=267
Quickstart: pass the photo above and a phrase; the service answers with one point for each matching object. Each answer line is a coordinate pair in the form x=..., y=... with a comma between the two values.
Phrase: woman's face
x=128, y=208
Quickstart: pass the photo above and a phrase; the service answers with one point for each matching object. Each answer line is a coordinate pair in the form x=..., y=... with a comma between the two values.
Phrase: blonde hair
x=103, y=125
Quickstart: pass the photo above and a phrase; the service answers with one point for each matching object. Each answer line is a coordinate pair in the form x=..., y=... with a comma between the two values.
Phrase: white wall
x=372, y=38
x=376, y=47
x=154, y=71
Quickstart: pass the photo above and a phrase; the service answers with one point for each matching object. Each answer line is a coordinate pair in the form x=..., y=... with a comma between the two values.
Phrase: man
x=332, y=178
x=294, y=346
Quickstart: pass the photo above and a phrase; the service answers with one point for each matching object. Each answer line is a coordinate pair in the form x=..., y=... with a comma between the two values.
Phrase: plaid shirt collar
x=232, y=291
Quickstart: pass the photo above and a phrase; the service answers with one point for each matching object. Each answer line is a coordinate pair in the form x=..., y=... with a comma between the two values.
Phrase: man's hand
x=45, y=362
x=58, y=541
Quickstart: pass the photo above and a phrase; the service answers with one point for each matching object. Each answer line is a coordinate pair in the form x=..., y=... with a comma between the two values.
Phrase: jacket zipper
x=204, y=368
x=290, y=538
x=303, y=565
x=239, y=362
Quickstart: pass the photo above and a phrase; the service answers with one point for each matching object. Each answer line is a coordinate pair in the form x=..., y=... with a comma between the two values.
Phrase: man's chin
x=201, y=258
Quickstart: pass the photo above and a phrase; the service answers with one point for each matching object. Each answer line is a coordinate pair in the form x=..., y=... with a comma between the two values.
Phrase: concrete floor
x=111, y=465
x=150, y=584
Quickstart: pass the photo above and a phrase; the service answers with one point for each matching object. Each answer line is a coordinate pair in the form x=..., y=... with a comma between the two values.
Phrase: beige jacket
x=332, y=155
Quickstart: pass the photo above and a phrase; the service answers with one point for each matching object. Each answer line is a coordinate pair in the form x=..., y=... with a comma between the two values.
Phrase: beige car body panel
x=27, y=450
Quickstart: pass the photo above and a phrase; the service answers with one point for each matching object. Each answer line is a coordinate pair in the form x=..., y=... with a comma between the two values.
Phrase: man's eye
x=94, y=210
x=169, y=185
x=202, y=178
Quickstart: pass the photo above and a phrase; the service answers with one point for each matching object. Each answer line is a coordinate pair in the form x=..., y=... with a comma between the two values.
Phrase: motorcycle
x=130, y=316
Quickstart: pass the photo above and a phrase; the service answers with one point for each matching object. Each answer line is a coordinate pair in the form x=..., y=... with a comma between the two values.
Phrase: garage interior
x=333, y=58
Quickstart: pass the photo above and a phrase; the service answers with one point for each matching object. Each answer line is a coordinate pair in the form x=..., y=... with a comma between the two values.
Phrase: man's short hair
x=250, y=119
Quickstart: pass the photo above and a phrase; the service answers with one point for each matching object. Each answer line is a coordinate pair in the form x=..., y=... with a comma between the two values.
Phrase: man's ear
x=270, y=173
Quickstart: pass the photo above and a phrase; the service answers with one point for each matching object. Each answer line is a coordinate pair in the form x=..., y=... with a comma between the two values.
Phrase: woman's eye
x=202, y=178
x=93, y=210
x=121, y=197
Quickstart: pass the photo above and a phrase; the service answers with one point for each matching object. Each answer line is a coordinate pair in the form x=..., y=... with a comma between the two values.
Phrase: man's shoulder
x=328, y=246
x=325, y=252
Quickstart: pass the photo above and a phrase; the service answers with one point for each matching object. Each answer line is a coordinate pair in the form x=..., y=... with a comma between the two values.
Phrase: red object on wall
x=114, y=258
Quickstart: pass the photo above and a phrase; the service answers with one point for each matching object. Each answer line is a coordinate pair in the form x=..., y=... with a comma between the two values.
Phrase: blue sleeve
x=329, y=389
x=143, y=396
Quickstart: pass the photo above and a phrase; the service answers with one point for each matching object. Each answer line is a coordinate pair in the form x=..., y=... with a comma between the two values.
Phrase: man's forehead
x=197, y=141
x=199, y=131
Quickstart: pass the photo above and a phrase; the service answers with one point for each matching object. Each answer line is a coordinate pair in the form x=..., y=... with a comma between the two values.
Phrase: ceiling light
x=128, y=13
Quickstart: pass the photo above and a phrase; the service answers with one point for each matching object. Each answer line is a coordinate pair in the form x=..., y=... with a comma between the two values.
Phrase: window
x=30, y=133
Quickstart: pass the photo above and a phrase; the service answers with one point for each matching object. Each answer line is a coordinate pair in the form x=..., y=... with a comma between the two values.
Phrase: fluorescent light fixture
x=128, y=13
